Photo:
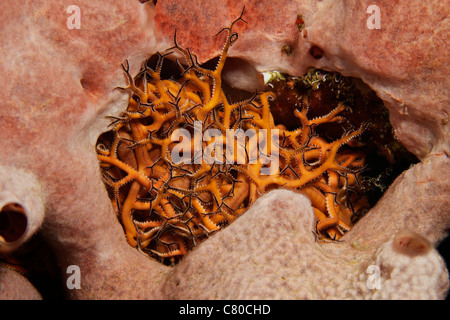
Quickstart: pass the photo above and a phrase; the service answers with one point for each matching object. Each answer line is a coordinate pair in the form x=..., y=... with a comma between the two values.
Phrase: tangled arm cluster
x=58, y=86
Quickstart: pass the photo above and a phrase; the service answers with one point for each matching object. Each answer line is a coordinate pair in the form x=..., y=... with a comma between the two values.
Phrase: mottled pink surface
x=58, y=84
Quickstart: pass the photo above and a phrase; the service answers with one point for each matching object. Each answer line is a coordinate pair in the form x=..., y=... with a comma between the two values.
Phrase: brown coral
x=166, y=206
